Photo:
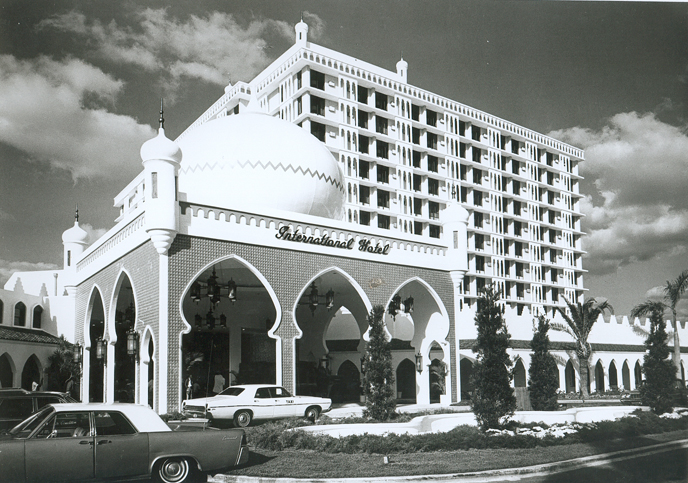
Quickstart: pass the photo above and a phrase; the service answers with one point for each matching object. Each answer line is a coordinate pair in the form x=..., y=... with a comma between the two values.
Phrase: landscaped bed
x=278, y=452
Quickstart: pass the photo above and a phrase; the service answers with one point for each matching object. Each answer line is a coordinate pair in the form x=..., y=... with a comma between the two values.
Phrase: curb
x=478, y=476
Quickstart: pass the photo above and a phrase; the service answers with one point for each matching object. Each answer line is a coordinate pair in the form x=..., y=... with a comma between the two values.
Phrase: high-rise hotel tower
x=407, y=154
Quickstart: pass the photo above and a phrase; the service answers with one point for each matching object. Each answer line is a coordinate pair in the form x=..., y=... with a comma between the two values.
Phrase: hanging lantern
x=408, y=305
x=133, y=343
x=313, y=298
x=363, y=365
x=77, y=353
x=210, y=320
x=101, y=350
x=325, y=362
x=223, y=320
x=232, y=291
x=195, y=292
x=419, y=362
x=199, y=321
x=214, y=288
x=394, y=306
x=329, y=299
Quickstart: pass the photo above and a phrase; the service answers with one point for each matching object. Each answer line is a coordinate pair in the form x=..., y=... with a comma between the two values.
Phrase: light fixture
x=394, y=306
x=133, y=343
x=78, y=351
x=213, y=289
x=198, y=320
x=363, y=364
x=325, y=362
x=101, y=350
x=419, y=362
x=314, y=299
x=223, y=320
x=408, y=305
x=210, y=320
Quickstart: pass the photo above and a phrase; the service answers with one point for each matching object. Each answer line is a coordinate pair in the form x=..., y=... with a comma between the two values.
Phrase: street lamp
x=419, y=362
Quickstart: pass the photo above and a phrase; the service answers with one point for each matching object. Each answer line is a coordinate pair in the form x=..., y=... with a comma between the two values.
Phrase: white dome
x=160, y=147
x=75, y=234
x=253, y=160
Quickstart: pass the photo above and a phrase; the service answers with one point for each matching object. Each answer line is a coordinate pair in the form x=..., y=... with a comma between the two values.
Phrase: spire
x=76, y=213
x=162, y=119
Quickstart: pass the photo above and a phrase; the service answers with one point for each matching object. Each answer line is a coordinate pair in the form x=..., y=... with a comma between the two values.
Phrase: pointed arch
x=348, y=389
x=7, y=370
x=32, y=374
x=613, y=376
x=570, y=376
x=519, y=373
x=626, y=376
x=599, y=376
x=20, y=314
x=406, y=381
x=638, y=374
x=121, y=278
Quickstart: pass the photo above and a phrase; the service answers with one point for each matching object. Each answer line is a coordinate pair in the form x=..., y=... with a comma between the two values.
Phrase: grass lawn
x=312, y=464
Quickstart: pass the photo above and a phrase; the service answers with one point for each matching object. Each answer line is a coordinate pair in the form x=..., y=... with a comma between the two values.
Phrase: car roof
x=249, y=386
x=16, y=391
x=144, y=418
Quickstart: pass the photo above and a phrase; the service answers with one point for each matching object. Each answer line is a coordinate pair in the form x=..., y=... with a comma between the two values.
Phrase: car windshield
x=231, y=391
x=26, y=427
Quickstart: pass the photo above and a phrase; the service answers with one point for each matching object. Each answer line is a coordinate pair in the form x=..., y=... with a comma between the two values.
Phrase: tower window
x=154, y=185
x=20, y=314
x=37, y=315
x=318, y=80
x=362, y=94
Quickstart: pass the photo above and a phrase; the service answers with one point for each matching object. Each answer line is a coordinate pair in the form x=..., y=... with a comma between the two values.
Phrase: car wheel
x=242, y=418
x=312, y=413
x=174, y=470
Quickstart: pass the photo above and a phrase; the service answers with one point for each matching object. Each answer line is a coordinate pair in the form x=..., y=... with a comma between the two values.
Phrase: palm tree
x=579, y=322
x=673, y=290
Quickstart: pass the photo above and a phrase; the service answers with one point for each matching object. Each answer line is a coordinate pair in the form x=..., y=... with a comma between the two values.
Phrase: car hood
x=202, y=401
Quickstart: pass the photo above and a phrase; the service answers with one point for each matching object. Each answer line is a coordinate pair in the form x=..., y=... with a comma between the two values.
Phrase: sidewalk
x=483, y=476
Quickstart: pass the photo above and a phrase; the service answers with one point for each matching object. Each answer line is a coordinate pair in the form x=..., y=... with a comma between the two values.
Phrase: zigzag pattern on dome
x=313, y=174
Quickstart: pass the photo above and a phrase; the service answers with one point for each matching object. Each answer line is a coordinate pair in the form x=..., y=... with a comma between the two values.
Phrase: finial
x=162, y=119
x=302, y=15
x=76, y=213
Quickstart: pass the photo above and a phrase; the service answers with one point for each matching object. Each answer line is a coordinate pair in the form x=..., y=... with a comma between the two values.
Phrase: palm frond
x=649, y=307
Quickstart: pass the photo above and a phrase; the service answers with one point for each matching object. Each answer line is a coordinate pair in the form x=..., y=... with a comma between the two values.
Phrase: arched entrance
x=348, y=387
x=599, y=377
x=32, y=375
x=613, y=377
x=466, y=375
x=638, y=374
x=97, y=358
x=406, y=382
x=230, y=312
x=332, y=316
x=125, y=320
x=570, y=375
x=519, y=374
x=626, y=376
x=438, y=380
x=6, y=371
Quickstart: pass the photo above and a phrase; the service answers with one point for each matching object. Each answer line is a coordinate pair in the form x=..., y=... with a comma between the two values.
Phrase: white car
x=242, y=404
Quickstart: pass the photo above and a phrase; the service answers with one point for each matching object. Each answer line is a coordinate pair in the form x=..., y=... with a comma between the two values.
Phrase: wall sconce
x=363, y=364
x=408, y=305
x=394, y=306
x=133, y=343
x=78, y=353
x=419, y=363
x=101, y=350
x=325, y=362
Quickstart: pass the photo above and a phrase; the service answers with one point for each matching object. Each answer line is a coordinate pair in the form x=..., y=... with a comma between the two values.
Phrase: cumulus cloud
x=215, y=48
x=93, y=233
x=640, y=170
x=55, y=111
x=7, y=268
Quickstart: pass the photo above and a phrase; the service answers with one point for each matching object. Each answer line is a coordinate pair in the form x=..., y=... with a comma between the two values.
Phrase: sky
x=81, y=82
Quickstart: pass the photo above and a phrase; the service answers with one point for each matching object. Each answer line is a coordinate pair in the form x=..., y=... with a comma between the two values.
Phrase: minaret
x=161, y=158
x=75, y=241
x=402, y=69
x=301, y=29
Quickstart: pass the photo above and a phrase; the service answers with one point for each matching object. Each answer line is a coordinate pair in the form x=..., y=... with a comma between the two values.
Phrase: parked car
x=95, y=441
x=245, y=403
x=17, y=404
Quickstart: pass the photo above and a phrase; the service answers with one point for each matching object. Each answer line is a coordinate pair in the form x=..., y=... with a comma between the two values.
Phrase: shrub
x=543, y=370
x=378, y=380
x=493, y=400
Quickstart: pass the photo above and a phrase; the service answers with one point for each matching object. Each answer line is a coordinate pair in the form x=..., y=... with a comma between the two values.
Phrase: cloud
x=7, y=268
x=93, y=233
x=4, y=216
x=55, y=111
x=639, y=168
x=215, y=48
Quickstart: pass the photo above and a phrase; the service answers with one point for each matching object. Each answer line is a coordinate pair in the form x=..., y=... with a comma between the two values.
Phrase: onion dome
x=160, y=147
x=75, y=234
x=251, y=161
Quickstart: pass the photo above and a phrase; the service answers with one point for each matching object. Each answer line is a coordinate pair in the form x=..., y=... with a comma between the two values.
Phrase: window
x=382, y=174
x=479, y=241
x=415, y=112
x=363, y=143
x=417, y=182
x=519, y=270
x=477, y=198
x=18, y=408
x=476, y=154
x=478, y=219
x=362, y=119
x=382, y=199
x=434, y=231
x=517, y=208
x=462, y=150
x=299, y=106
x=382, y=149
x=299, y=78
x=433, y=210
x=464, y=194
x=365, y=195
x=362, y=94
x=516, y=187
x=416, y=159
x=365, y=218
x=480, y=264
x=463, y=172
x=431, y=118
x=433, y=164
x=2, y=309
x=477, y=176
x=364, y=170
x=112, y=423
x=318, y=130
x=66, y=425
x=517, y=228
x=262, y=393
x=20, y=314
x=519, y=291
x=381, y=124
x=37, y=315
x=433, y=186
x=318, y=80
x=462, y=128
x=514, y=166
x=317, y=105
x=383, y=221
x=154, y=185
x=417, y=206
x=380, y=101
x=431, y=139
x=518, y=249
x=417, y=228
x=415, y=135
x=475, y=133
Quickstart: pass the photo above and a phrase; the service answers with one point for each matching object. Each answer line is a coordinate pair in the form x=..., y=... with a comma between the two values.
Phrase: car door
x=61, y=450
x=285, y=405
x=120, y=451
x=263, y=404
